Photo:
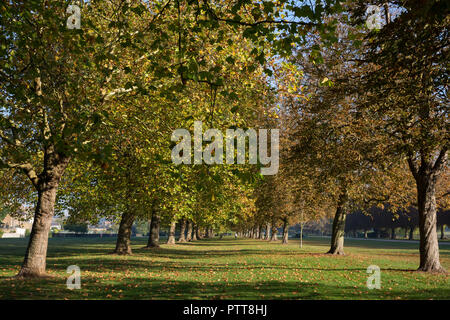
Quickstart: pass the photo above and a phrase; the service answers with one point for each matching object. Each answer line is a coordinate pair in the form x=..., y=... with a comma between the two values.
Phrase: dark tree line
x=385, y=223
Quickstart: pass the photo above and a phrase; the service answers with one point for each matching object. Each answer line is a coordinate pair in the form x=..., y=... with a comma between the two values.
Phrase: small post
x=301, y=230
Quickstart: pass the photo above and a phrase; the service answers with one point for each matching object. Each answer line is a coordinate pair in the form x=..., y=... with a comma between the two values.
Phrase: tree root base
x=440, y=270
x=28, y=274
x=336, y=253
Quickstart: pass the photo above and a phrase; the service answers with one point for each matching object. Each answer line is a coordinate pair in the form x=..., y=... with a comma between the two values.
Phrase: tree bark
x=267, y=231
x=171, y=239
x=261, y=235
x=285, y=232
x=429, y=248
x=194, y=232
x=182, y=231
x=123, y=243
x=46, y=185
x=198, y=233
x=442, y=231
x=274, y=233
x=189, y=231
x=337, y=236
x=153, y=239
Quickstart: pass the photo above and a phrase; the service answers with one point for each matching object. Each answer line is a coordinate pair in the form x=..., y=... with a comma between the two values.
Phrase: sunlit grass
x=224, y=269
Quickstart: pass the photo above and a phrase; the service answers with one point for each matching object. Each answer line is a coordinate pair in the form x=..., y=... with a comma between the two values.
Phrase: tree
x=59, y=86
x=333, y=145
x=76, y=227
x=45, y=70
x=407, y=92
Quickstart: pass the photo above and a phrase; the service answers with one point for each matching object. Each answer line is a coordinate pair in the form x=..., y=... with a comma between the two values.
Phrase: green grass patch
x=224, y=269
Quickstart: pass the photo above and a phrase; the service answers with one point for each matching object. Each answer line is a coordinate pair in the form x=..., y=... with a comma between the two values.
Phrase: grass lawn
x=225, y=269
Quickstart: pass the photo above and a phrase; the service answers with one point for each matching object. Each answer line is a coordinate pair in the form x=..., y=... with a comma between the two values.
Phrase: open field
x=225, y=269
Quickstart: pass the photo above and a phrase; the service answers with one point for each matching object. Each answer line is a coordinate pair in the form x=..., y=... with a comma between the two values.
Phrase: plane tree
x=56, y=84
x=407, y=93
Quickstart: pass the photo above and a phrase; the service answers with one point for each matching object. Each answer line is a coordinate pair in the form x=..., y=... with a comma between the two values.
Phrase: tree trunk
x=285, y=232
x=199, y=233
x=274, y=233
x=411, y=233
x=429, y=248
x=267, y=231
x=182, y=231
x=35, y=257
x=189, y=231
x=337, y=236
x=442, y=231
x=406, y=233
x=261, y=235
x=393, y=235
x=46, y=185
x=153, y=239
x=171, y=239
x=194, y=232
x=123, y=243
x=365, y=234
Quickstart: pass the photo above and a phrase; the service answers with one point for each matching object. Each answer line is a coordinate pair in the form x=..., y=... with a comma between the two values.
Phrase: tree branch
x=413, y=167
x=15, y=142
x=26, y=168
x=440, y=161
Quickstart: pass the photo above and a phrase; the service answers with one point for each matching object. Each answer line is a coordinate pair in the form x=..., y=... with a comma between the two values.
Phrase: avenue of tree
x=86, y=116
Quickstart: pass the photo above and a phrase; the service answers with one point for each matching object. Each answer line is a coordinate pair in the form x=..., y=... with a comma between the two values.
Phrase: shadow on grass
x=149, y=274
x=147, y=288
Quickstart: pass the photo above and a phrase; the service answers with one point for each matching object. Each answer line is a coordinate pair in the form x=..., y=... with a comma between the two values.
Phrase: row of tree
x=87, y=115
x=366, y=126
x=384, y=221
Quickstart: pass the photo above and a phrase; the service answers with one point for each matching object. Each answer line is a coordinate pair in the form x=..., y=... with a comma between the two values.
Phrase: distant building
x=14, y=228
x=10, y=223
